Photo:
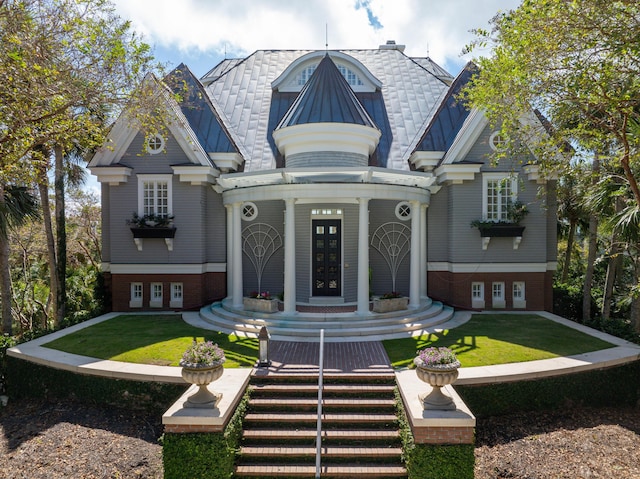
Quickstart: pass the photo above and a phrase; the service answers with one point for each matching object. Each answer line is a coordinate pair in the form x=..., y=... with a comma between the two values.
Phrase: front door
x=327, y=257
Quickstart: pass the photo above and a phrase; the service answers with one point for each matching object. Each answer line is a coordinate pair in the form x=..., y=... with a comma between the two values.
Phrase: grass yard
x=147, y=339
x=499, y=339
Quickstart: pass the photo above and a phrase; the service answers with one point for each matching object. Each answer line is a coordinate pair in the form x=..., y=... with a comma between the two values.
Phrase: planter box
x=260, y=305
x=389, y=305
x=153, y=232
x=501, y=231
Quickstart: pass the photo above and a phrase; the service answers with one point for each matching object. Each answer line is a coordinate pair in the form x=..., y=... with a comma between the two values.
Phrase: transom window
x=499, y=191
x=154, y=195
x=326, y=212
x=155, y=144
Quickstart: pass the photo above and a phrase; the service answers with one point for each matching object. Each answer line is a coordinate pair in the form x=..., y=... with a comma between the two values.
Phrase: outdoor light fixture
x=263, y=348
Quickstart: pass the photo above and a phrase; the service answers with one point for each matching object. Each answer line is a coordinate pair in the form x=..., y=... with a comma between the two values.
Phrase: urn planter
x=202, y=376
x=260, y=305
x=390, y=305
x=437, y=376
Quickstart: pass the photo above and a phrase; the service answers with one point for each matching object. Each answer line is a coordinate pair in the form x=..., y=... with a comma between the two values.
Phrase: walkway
x=340, y=357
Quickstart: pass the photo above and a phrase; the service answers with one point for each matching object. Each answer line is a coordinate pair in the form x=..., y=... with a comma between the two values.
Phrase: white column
x=229, y=250
x=237, y=257
x=414, y=279
x=423, y=250
x=363, y=257
x=289, y=256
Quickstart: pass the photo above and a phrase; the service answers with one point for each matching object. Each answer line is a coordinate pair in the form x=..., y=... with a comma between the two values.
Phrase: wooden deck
x=339, y=358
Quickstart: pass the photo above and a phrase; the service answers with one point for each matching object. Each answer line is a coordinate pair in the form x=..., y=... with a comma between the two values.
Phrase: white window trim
x=521, y=302
x=176, y=302
x=133, y=301
x=402, y=207
x=498, y=302
x=155, y=302
x=477, y=303
x=486, y=177
x=142, y=179
x=255, y=211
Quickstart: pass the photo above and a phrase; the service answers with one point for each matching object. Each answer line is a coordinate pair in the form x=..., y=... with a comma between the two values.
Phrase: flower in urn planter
x=202, y=363
x=437, y=367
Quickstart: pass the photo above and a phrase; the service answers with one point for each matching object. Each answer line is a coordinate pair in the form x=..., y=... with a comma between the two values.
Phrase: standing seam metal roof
x=408, y=100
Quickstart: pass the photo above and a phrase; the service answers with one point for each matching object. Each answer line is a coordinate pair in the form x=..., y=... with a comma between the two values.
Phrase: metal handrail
x=319, y=424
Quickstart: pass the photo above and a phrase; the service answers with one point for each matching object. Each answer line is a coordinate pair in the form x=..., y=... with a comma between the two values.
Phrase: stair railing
x=319, y=424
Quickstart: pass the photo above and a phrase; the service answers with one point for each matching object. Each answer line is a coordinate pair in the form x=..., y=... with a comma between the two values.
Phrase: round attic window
x=497, y=141
x=249, y=211
x=403, y=210
x=155, y=144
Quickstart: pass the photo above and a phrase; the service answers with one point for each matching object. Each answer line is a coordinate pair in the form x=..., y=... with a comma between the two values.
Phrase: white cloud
x=440, y=29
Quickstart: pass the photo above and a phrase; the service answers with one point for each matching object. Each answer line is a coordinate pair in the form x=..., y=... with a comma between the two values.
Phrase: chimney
x=391, y=45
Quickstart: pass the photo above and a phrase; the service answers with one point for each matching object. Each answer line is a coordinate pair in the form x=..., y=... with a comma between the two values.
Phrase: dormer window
x=350, y=76
x=306, y=74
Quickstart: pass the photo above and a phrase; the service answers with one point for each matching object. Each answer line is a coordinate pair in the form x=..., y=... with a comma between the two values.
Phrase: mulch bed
x=62, y=440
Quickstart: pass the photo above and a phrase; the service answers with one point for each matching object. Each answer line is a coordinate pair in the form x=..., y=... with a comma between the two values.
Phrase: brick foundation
x=192, y=428
x=455, y=288
x=443, y=435
x=197, y=290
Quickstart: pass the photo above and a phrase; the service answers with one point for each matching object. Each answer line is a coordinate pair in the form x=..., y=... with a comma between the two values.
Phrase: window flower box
x=500, y=230
x=153, y=231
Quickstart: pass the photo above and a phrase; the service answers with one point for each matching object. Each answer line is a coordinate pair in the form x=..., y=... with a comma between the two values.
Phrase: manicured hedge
x=27, y=379
x=430, y=461
x=204, y=455
x=611, y=387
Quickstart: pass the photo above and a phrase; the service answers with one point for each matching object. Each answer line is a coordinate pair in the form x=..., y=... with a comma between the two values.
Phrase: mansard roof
x=326, y=98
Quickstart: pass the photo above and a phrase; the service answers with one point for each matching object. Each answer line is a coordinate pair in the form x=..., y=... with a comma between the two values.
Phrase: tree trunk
x=613, y=266
x=61, y=231
x=567, y=254
x=43, y=188
x=591, y=258
x=5, y=273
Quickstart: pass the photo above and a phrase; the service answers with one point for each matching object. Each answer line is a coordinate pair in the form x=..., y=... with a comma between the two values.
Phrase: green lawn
x=147, y=339
x=499, y=339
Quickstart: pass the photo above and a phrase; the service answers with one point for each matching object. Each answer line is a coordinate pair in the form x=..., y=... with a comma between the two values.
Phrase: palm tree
x=17, y=205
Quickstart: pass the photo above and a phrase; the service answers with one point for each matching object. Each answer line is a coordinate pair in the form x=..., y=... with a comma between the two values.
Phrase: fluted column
x=414, y=279
x=237, y=256
x=289, y=256
x=229, y=268
x=363, y=257
x=423, y=250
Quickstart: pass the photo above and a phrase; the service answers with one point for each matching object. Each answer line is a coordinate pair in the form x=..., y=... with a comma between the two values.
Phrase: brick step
x=311, y=377
x=328, y=404
x=378, y=471
x=301, y=390
x=327, y=419
x=272, y=434
x=327, y=452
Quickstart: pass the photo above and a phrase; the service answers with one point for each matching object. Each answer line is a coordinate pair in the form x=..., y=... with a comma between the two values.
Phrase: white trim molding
x=227, y=162
x=132, y=268
x=457, y=173
x=491, y=267
x=113, y=175
x=196, y=174
x=426, y=160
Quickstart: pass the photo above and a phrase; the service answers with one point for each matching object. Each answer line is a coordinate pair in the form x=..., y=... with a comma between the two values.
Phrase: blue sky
x=201, y=32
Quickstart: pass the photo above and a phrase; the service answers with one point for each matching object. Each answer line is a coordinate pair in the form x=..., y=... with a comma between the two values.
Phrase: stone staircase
x=338, y=326
x=360, y=437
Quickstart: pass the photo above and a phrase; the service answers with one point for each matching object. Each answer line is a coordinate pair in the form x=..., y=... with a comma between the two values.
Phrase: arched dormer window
x=296, y=75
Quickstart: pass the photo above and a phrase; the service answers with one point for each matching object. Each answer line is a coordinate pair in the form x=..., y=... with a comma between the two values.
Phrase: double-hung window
x=156, y=295
x=497, y=295
x=500, y=189
x=176, y=295
x=135, y=300
x=519, y=300
x=154, y=195
x=477, y=295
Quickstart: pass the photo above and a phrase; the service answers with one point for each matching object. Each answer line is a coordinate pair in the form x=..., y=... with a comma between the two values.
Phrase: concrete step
x=328, y=420
x=341, y=328
x=326, y=451
x=277, y=434
x=328, y=404
x=305, y=390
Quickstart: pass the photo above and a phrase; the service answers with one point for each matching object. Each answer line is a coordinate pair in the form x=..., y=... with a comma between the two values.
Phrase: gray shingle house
x=326, y=178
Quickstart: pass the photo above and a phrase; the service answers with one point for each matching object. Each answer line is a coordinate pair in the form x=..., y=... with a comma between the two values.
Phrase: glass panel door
x=326, y=257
